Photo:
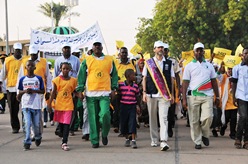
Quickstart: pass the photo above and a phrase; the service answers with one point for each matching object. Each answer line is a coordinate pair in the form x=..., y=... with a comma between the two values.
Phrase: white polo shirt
x=199, y=76
x=160, y=64
x=240, y=72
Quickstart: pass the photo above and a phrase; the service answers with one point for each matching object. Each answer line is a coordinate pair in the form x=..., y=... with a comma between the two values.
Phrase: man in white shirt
x=199, y=81
x=158, y=77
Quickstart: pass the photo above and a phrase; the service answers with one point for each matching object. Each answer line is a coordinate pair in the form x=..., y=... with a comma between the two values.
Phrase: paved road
x=220, y=151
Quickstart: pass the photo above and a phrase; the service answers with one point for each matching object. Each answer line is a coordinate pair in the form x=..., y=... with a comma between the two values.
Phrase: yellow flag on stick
x=239, y=50
x=119, y=44
x=231, y=61
x=220, y=53
x=207, y=53
x=146, y=55
x=188, y=55
x=136, y=49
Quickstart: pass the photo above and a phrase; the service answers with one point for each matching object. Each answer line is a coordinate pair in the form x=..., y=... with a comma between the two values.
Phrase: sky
x=117, y=19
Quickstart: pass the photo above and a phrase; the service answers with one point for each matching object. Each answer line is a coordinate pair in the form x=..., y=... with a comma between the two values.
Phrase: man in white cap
x=199, y=81
x=158, y=88
x=75, y=64
x=10, y=72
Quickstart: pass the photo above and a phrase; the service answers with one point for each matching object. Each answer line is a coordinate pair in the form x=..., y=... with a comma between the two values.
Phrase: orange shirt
x=64, y=101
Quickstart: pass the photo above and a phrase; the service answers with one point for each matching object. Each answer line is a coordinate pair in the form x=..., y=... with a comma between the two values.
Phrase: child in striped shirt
x=129, y=92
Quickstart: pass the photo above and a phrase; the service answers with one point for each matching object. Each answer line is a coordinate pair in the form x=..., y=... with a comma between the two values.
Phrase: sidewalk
x=182, y=151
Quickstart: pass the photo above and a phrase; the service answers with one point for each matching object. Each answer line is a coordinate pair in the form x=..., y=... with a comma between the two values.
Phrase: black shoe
x=205, y=141
x=232, y=136
x=215, y=134
x=33, y=139
x=86, y=137
x=26, y=147
x=1, y=112
x=170, y=132
x=104, y=140
x=37, y=142
x=14, y=131
x=197, y=146
x=222, y=130
x=187, y=125
x=95, y=145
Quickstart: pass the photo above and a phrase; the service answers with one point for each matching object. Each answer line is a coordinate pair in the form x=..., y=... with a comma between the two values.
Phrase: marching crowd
x=95, y=91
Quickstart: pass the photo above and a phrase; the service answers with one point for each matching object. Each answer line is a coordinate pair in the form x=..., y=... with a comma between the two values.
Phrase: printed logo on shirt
x=99, y=74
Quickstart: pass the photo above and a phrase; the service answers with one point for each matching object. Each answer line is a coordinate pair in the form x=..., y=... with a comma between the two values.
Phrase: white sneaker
x=44, y=124
x=164, y=146
x=153, y=144
x=52, y=123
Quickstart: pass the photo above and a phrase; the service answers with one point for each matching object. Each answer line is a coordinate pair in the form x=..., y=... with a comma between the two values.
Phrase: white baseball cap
x=49, y=63
x=66, y=45
x=76, y=50
x=198, y=45
x=33, y=49
x=17, y=46
x=158, y=44
x=166, y=45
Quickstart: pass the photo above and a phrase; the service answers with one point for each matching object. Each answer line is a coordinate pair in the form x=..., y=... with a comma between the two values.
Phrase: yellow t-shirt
x=121, y=68
x=64, y=101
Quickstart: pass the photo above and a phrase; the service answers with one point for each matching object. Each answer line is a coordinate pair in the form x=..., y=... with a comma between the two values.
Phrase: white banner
x=49, y=42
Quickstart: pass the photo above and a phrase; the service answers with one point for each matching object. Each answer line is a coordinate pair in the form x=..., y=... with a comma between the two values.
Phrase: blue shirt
x=240, y=73
x=75, y=63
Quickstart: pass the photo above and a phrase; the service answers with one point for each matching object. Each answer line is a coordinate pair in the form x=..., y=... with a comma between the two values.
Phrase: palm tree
x=59, y=12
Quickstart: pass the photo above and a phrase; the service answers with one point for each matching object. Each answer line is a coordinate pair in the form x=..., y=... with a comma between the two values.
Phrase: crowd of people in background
x=95, y=92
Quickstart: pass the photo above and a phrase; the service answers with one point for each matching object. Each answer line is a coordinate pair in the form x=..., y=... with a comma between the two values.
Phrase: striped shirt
x=128, y=93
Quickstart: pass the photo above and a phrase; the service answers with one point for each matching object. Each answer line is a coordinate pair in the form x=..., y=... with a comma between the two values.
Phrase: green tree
x=59, y=12
x=216, y=23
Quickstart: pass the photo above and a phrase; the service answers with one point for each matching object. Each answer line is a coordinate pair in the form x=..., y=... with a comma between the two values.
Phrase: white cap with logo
x=166, y=45
x=198, y=45
x=17, y=46
x=33, y=49
x=158, y=44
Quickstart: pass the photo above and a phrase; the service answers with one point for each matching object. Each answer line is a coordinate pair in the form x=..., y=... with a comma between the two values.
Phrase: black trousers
x=13, y=110
x=231, y=116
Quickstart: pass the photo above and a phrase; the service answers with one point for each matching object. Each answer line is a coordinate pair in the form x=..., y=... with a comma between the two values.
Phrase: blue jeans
x=242, y=128
x=31, y=117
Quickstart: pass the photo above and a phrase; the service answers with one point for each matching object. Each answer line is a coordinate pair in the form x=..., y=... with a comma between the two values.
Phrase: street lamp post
x=7, y=30
x=70, y=4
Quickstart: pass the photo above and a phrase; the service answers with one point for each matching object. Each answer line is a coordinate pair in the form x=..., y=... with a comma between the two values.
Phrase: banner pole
x=102, y=38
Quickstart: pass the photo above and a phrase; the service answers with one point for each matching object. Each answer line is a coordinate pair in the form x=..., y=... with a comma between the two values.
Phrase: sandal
x=65, y=147
x=238, y=144
x=245, y=146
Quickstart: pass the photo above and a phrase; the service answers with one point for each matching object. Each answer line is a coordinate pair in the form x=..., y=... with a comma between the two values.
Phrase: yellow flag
x=146, y=55
x=220, y=53
x=119, y=44
x=185, y=62
x=217, y=61
x=136, y=49
x=207, y=53
x=188, y=55
x=231, y=61
x=239, y=50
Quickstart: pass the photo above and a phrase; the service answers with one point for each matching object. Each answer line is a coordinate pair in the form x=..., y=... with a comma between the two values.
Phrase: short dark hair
x=128, y=72
x=67, y=63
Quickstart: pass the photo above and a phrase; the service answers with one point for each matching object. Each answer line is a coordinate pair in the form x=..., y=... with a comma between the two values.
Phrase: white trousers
x=158, y=107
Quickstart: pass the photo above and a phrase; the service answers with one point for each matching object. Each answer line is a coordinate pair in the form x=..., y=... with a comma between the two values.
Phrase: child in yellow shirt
x=63, y=88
